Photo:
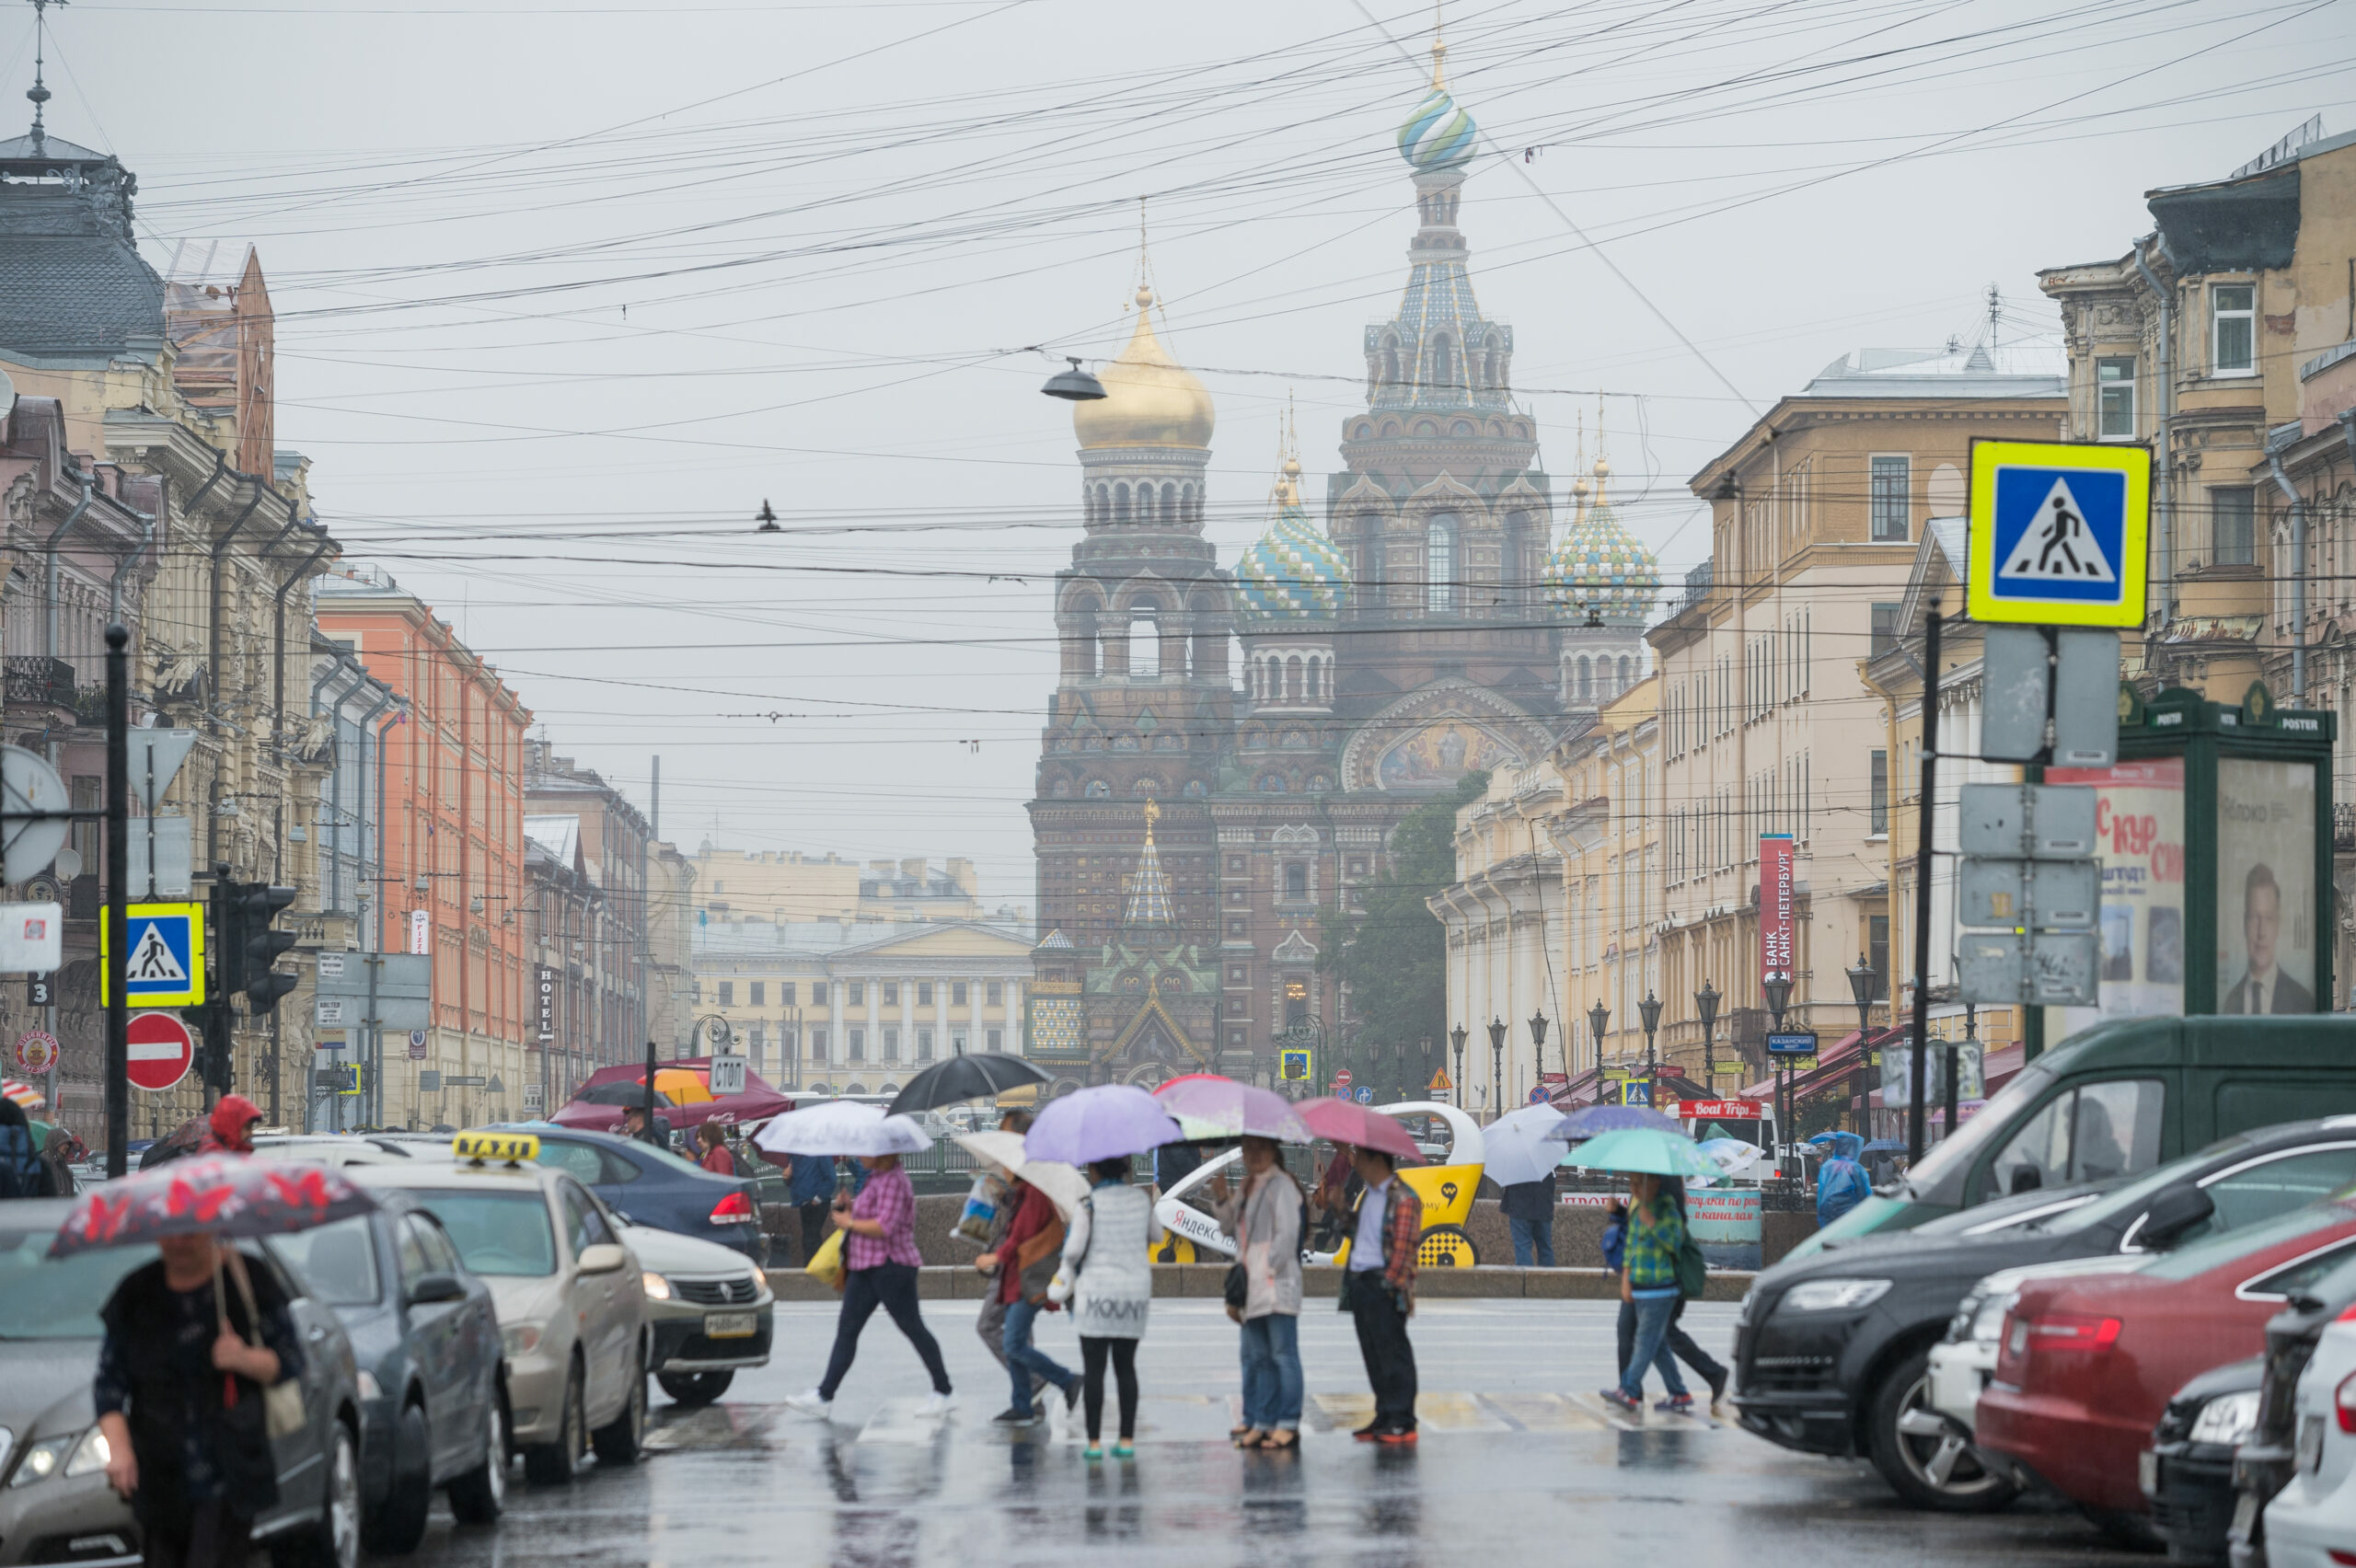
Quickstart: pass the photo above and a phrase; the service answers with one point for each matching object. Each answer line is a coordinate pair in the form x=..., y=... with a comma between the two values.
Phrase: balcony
x=35, y=680
x=2343, y=826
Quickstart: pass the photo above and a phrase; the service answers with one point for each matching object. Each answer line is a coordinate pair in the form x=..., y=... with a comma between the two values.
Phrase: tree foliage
x=1392, y=953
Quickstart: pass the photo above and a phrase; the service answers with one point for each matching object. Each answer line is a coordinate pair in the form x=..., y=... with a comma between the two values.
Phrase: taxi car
x=710, y=1311
x=570, y=1295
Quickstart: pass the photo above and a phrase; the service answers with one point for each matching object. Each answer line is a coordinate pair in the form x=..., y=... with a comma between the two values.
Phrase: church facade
x=1229, y=750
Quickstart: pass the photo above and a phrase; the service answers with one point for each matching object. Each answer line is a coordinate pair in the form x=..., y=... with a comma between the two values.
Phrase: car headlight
x=45, y=1458
x=762, y=1293
x=520, y=1339
x=2228, y=1418
x=1833, y=1295
x=369, y=1387
x=657, y=1287
x=90, y=1454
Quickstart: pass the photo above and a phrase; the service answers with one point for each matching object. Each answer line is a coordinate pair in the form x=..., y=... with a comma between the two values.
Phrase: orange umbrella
x=683, y=1085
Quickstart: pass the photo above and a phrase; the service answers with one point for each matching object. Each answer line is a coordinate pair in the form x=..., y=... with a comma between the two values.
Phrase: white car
x=1962, y=1364
x=2311, y=1523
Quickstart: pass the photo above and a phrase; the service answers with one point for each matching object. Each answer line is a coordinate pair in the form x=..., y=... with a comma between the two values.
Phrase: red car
x=2088, y=1365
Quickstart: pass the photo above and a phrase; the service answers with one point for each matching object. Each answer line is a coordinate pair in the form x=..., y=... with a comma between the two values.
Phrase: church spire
x=1149, y=889
x=39, y=91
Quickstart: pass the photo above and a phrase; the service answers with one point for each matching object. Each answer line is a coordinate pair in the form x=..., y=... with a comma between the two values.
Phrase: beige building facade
x=786, y=885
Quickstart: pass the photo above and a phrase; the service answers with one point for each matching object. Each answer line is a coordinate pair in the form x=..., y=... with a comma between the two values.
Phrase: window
x=2234, y=514
x=339, y=1261
x=785, y=992
x=1295, y=879
x=891, y=1044
x=1892, y=506
x=1878, y=793
x=924, y=993
x=1145, y=644
x=994, y=1039
x=957, y=1041
x=859, y=1044
x=2115, y=399
x=2275, y=1186
x=1235, y=862
x=728, y=993
x=957, y=994
x=1884, y=631
x=924, y=1044
x=996, y=996
x=2233, y=328
x=1877, y=954
x=1439, y=563
x=759, y=998
x=2084, y=1135
x=817, y=994
x=588, y=1227
x=858, y=992
x=817, y=1044
x=891, y=993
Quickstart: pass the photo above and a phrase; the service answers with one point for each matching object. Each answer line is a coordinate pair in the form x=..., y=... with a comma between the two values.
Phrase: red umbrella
x=757, y=1104
x=226, y=1195
x=1347, y=1122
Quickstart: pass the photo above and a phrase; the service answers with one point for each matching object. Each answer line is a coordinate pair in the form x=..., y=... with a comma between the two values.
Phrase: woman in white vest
x=1107, y=1278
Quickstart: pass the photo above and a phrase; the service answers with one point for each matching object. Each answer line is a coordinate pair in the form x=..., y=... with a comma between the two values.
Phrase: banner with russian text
x=1777, y=957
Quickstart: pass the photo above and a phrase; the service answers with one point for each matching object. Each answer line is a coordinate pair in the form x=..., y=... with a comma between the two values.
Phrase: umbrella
x=1734, y=1155
x=1209, y=1106
x=962, y=1077
x=593, y=1111
x=1881, y=1145
x=1110, y=1121
x=1595, y=1120
x=1645, y=1149
x=24, y=1094
x=1064, y=1185
x=1347, y=1122
x=842, y=1126
x=622, y=1094
x=1517, y=1148
x=182, y=1139
x=226, y=1195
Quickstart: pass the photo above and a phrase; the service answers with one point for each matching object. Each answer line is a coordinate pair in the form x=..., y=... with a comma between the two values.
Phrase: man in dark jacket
x=1530, y=1213
x=1379, y=1293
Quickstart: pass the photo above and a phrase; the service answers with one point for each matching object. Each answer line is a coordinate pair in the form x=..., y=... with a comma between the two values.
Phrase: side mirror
x=604, y=1257
x=2028, y=1179
x=432, y=1287
x=2172, y=1214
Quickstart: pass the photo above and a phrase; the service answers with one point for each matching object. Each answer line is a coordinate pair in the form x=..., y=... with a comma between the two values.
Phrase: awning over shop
x=1833, y=1065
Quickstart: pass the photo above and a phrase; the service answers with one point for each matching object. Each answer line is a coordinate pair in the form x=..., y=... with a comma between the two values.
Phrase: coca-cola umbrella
x=223, y=1195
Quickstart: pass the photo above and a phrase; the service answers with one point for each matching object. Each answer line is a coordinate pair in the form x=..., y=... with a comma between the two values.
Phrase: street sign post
x=1342, y=1079
x=32, y=938
x=1295, y=1065
x=2058, y=532
x=165, y=966
x=727, y=1075
x=161, y=1048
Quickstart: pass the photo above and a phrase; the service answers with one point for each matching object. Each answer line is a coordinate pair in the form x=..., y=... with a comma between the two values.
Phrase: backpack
x=22, y=1175
x=1693, y=1268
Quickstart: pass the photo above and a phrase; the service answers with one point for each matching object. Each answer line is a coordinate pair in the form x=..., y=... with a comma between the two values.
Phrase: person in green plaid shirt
x=1648, y=1282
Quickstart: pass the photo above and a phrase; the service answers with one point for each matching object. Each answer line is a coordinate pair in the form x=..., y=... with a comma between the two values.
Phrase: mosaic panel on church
x=1058, y=1027
x=1441, y=752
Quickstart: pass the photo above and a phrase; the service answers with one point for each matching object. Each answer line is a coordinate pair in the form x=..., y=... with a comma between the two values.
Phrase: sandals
x=1236, y=1432
x=1284, y=1439
x=1250, y=1437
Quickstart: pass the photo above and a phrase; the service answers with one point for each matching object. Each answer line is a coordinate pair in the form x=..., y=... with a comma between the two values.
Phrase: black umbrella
x=624, y=1092
x=965, y=1077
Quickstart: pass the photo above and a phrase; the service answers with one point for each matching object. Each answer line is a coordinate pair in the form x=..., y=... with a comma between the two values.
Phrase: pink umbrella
x=1209, y=1106
x=1347, y=1122
x=760, y=1102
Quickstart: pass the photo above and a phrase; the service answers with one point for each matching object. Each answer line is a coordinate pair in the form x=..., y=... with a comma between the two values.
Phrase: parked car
x=2088, y=1365
x=329, y=1148
x=2187, y=1472
x=1832, y=1352
x=2122, y=1097
x=55, y=1504
x=1962, y=1363
x=2311, y=1523
x=571, y=1304
x=425, y=1333
x=711, y=1311
x=655, y=1188
x=2279, y=1448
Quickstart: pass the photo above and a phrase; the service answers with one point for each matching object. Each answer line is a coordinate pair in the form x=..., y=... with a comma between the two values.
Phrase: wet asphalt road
x=1519, y=1462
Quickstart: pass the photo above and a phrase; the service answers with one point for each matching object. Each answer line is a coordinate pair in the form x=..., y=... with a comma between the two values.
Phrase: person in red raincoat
x=233, y=1121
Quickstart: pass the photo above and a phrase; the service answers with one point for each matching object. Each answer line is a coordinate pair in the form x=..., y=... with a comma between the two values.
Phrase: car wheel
x=395, y=1525
x=2133, y=1531
x=695, y=1388
x=480, y=1497
x=1928, y=1460
x=553, y=1464
x=334, y=1541
x=621, y=1439
x=1446, y=1246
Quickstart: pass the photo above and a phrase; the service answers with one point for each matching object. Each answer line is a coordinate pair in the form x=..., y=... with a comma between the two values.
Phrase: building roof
x=1150, y=398
x=828, y=938
x=2029, y=369
x=560, y=836
x=1600, y=565
x=72, y=280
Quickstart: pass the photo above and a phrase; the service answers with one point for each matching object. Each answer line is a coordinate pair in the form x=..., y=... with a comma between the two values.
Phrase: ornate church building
x=1191, y=817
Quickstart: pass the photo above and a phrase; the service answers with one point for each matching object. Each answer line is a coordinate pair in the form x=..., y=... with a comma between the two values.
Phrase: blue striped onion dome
x=1438, y=135
x=1292, y=572
x=1599, y=564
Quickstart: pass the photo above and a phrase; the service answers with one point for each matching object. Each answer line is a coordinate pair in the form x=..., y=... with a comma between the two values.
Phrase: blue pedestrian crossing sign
x=166, y=967
x=2058, y=532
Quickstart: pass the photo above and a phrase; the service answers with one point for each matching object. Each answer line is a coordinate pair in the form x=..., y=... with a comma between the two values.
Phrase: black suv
x=1831, y=1350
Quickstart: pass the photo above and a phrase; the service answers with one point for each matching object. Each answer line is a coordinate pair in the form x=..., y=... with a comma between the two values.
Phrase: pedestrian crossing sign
x=2058, y=532
x=1294, y=1065
x=166, y=968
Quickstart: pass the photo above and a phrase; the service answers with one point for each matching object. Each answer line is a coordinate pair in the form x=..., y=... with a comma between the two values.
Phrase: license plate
x=729, y=1325
x=2147, y=1472
x=2244, y=1514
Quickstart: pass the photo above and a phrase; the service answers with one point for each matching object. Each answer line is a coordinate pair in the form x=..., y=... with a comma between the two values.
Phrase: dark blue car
x=656, y=1188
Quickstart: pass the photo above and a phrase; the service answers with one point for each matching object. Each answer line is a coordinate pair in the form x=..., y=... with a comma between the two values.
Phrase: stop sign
x=161, y=1050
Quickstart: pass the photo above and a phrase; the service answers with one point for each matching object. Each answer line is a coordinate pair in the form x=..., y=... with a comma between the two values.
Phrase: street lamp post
x=1457, y=1036
x=1424, y=1066
x=1860, y=990
x=1538, y=1022
x=1497, y=1066
x=1705, y=1005
x=1598, y=1017
x=1649, y=1011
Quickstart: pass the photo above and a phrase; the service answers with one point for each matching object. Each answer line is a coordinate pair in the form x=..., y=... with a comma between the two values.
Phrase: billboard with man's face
x=2266, y=892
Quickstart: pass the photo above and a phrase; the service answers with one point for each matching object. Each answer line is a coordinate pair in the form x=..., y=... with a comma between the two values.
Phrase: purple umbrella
x=1595, y=1120
x=1222, y=1108
x=1111, y=1121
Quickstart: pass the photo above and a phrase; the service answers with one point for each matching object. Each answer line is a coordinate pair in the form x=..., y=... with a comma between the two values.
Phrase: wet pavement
x=1517, y=1457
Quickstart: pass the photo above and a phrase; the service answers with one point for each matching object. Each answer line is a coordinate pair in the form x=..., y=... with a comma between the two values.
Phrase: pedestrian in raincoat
x=1266, y=1217
x=1108, y=1279
x=1842, y=1184
x=233, y=1122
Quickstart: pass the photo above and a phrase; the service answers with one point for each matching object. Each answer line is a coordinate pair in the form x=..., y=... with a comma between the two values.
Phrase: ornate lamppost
x=1497, y=1066
x=1457, y=1036
x=1538, y=1022
x=1862, y=985
x=1705, y=1004
x=1598, y=1017
x=1648, y=1010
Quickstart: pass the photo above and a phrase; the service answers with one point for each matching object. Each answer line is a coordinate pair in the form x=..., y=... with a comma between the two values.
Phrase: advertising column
x=2139, y=839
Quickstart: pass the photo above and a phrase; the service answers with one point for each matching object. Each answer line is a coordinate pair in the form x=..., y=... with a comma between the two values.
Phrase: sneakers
x=936, y=1406
x=1010, y=1416
x=1371, y=1431
x=812, y=1404
x=1392, y=1435
x=1614, y=1397
x=1676, y=1405
x=1093, y=1453
x=1125, y=1449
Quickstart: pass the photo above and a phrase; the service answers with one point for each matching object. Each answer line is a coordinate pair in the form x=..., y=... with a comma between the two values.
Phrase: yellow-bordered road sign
x=2059, y=533
x=166, y=968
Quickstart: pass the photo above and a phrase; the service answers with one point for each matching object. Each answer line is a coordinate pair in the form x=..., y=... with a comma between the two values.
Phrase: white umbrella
x=1064, y=1185
x=1517, y=1148
x=842, y=1126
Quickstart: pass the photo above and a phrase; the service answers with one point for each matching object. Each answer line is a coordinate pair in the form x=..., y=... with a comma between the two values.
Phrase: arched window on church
x=1493, y=373
x=1586, y=680
x=1145, y=642
x=1170, y=506
x=1292, y=679
x=1443, y=361
x=1086, y=657
x=1391, y=361
x=1311, y=690
x=1439, y=562
x=1120, y=504
x=1627, y=672
x=1097, y=789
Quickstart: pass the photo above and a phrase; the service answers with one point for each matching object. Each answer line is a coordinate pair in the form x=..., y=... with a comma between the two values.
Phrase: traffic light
x=212, y=1058
x=254, y=945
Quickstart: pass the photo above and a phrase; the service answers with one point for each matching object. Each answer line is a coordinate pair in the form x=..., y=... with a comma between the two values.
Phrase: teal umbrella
x=1645, y=1149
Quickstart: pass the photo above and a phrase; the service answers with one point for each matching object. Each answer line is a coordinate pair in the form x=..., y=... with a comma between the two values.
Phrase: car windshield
x=336, y=1261
x=2217, y=1252
x=46, y=1299
x=497, y=1233
x=1954, y=1156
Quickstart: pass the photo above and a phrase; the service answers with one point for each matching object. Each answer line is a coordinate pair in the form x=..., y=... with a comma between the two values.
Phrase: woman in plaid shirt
x=1648, y=1282
x=880, y=1261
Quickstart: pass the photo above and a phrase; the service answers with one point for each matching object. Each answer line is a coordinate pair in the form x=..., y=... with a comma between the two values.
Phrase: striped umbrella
x=26, y=1096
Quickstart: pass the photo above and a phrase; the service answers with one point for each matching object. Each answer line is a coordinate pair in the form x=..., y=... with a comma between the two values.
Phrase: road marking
x=1545, y=1412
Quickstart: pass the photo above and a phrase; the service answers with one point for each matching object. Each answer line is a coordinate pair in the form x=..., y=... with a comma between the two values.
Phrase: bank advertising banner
x=1776, y=952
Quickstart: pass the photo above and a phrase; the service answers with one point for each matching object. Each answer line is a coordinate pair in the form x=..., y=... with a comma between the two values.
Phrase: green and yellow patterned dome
x=1600, y=565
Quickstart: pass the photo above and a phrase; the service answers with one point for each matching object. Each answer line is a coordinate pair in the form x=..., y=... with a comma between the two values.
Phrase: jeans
x=208, y=1535
x=892, y=1286
x=1681, y=1345
x=1272, y=1382
x=1534, y=1237
x=1654, y=1316
x=1382, y=1344
x=814, y=1228
x=1024, y=1361
x=989, y=1327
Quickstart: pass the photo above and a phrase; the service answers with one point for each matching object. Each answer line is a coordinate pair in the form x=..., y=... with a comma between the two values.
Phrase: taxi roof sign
x=2059, y=533
x=480, y=1149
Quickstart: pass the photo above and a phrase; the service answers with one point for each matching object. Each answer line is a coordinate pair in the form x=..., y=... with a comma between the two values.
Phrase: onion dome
x=1600, y=565
x=1150, y=398
x=1438, y=135
x=1292, y=572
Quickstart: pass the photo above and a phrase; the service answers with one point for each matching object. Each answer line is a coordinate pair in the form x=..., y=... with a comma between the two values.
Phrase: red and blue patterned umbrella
x=226, y=1195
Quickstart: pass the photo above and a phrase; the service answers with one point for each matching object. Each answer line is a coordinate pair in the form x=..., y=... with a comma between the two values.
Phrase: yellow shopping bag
x=827, y=1262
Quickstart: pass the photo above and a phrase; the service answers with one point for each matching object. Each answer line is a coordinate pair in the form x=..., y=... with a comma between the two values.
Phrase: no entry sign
x=161, y=1050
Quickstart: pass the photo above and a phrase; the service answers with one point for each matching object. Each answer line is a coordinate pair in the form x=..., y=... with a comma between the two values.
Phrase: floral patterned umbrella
x=226, y=1195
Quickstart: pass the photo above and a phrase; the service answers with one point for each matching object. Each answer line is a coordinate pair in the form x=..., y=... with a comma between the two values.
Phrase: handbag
x=281, y=1402
x=827, y=1262
x=979, y=1216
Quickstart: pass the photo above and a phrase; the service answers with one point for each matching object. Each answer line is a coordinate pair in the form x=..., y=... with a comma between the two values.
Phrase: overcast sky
x=566, y=291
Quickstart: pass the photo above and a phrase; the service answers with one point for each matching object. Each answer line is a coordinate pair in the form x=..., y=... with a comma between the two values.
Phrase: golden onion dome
x=1150, y=398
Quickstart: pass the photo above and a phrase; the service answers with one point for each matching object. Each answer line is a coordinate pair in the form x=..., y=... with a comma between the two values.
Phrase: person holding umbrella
x=1267, y=1218
x=1654, y=1234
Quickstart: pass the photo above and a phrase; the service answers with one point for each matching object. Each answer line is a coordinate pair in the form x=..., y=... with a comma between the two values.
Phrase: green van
x=2119, y=1098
